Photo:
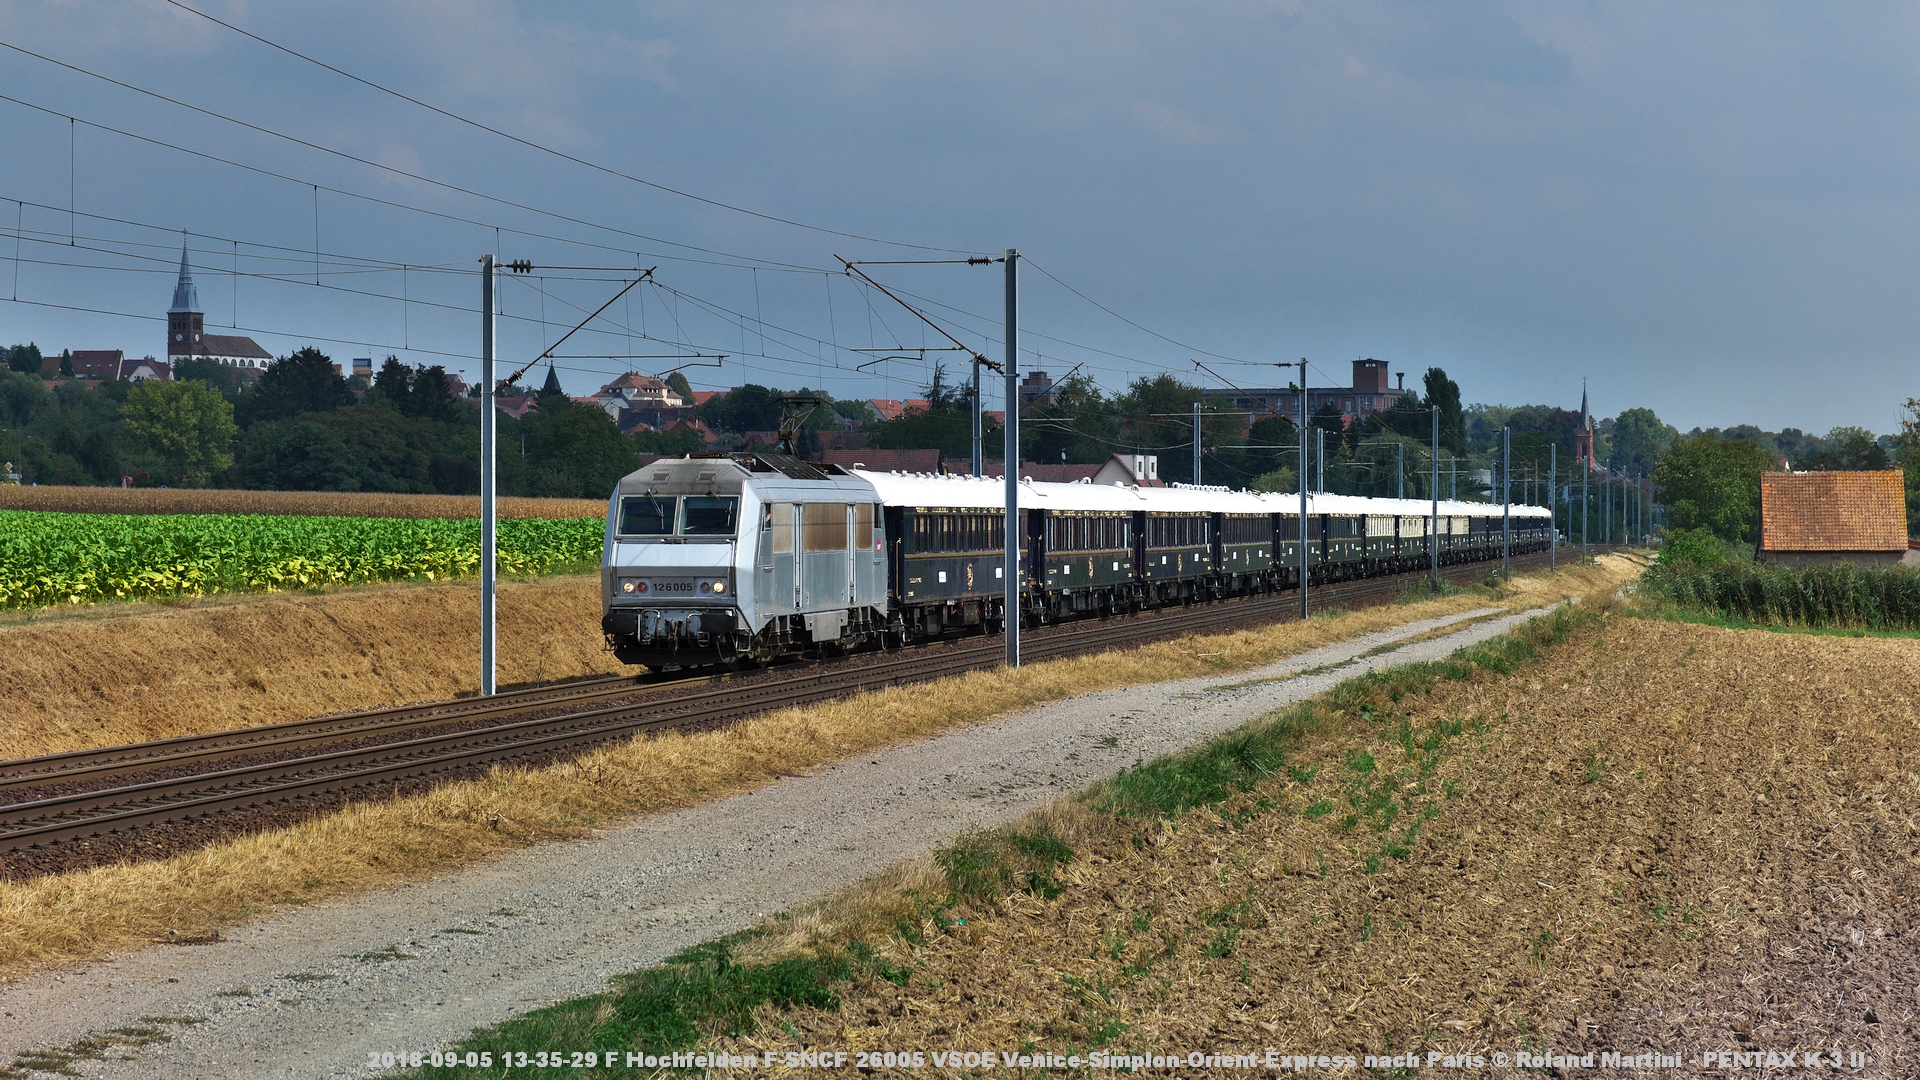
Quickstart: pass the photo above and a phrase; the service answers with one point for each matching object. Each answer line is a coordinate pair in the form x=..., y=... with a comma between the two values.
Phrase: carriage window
x=824, y=526
x=646, y=515
x=783, y=528
x=710, y=515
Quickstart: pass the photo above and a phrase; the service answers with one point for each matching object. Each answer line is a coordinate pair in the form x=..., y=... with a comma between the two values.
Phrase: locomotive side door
x=778, y=524
x=823, y=554
x=855, y=539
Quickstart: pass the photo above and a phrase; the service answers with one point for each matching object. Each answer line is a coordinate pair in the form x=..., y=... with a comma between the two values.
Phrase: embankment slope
x=129, y=673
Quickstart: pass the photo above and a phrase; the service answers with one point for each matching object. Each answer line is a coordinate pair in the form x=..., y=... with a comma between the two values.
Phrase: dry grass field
x=102, y=500
x=76, y=678
x=1659, y=836
x=78, y=915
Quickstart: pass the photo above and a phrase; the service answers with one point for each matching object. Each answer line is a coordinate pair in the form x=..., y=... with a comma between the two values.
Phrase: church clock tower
x=186, y=324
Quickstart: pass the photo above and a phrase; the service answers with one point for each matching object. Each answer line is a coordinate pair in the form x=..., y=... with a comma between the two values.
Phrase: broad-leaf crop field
x=52, y=558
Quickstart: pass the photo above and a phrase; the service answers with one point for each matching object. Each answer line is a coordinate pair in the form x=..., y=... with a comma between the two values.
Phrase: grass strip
x=723, y=989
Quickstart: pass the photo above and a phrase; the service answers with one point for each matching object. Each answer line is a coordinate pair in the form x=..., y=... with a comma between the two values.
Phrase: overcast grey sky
x=1706, y=209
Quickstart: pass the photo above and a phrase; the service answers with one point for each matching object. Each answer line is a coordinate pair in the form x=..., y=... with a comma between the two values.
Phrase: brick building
x=1370, y=393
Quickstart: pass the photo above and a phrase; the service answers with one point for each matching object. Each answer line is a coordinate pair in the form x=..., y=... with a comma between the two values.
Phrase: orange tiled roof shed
x=1833, y=511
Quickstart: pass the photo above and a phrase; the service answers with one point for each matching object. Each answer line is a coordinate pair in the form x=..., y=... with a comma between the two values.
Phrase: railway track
x=99, y=792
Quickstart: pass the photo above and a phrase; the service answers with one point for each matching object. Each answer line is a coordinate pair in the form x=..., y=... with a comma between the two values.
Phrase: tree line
x=301, y=426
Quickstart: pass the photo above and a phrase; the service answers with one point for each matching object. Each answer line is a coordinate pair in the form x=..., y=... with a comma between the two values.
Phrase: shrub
x=1697, y=546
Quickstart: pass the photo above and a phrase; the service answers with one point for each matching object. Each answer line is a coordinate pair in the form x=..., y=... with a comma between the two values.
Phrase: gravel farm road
x=310, y=993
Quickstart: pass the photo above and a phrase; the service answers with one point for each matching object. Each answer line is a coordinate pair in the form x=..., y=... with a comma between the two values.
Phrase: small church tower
x=1583, y=436
x=186, y=324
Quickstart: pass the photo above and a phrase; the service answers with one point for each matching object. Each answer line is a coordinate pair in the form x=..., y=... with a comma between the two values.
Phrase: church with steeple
x=187, y=337
x=1583, y=435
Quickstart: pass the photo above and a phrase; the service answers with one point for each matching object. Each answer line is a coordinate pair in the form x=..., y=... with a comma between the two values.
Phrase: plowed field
x=1657, y=838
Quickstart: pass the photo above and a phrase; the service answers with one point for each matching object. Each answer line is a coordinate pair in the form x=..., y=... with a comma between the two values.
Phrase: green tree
x=187, y=425
x=677, y=382
x=852, y=410
x=1713, y=484
x=1080, y=425
x=394, y=381
x=748, y=407
x=671, y=443
x=946, y=429
x=365, y=447
x=1909, y=440
x=566, y=449
x=1445, y=393
x=212, y=372
x=1850, y=448
x=24, y=359
x=301, y=383
x=1156, y=416
x=1639, y=439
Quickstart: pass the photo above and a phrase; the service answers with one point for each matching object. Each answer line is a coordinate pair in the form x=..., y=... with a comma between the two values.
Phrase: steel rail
x=91, y=813
x=72, y=764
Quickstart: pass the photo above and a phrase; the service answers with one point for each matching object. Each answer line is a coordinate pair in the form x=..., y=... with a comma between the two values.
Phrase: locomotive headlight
x=627, y=586
x=719, y=588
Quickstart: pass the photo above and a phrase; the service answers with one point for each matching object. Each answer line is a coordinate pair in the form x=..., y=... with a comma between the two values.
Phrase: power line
x=741, y=260
x=563, y=155
x=1124, y=319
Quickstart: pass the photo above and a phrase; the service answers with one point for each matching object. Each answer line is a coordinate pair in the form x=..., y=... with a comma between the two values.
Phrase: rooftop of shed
x=1833, y=511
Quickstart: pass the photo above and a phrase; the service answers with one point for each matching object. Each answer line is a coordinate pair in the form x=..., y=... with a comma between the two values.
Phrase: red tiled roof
x=1833, y=511
x=1059, y=474
x=895, y=408
x=919, y=461
x=633, y=380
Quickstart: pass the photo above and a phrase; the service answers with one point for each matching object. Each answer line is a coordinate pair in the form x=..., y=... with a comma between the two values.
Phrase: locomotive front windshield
x=710, y=515
x=684, y=515
x=647, y=515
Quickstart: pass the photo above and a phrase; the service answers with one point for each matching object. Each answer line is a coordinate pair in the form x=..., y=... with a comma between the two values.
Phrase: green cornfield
x=1831, y=595
x=56, y=558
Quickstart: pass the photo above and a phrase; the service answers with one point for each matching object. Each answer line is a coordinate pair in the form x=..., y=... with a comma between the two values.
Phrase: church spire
x=1586, y=420
x=185, y=296
x=552, y=385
